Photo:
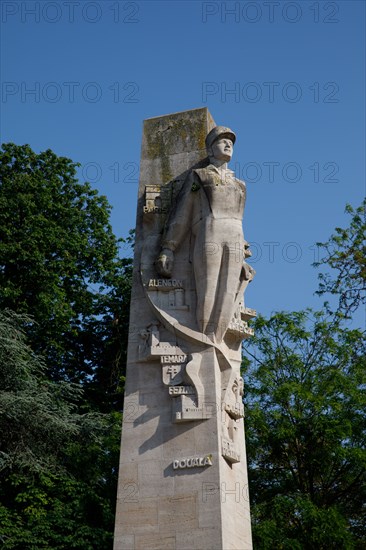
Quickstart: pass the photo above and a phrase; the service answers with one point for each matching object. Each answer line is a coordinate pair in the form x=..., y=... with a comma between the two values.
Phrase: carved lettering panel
x=174, y=391
x=229, y=450
x=156, y=200
x=193, y=462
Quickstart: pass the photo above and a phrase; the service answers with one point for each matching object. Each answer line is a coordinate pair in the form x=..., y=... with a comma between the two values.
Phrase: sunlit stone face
x=222, y=149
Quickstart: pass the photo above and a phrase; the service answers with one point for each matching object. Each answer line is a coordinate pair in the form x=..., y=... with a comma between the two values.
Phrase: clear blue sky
x=288, y=77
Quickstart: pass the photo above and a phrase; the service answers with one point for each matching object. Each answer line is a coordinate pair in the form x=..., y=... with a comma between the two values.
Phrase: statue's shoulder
x=195, y=178
x=204, y=172
x=191, y=183
x=241, y=183
x=210, y=173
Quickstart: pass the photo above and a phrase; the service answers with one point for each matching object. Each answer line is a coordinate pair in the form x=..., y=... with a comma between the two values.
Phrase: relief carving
x=185, y=409
x=172, y=294
x=229, y=439
x=211, y=207
x=152, y=348
x=155, y=201
x=199, y=299
x=229, y=450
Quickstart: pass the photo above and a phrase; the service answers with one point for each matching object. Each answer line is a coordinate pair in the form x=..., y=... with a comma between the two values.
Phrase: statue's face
x=222, y=149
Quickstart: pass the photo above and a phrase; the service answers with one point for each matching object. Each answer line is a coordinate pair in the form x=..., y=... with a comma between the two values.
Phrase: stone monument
x=183, y=474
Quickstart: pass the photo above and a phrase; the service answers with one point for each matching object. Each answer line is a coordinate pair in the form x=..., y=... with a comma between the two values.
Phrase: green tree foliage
x=305, y=430
x=345, y=253
x=59, y=263
x=60, y=271
x=305, y=425
x=57, y=466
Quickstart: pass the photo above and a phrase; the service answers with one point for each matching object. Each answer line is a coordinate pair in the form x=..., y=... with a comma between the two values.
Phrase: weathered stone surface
x=178, y=513
x=131, y=519
x=183, y=479
x=195, y=539
x=123, y=542
x=154, y=542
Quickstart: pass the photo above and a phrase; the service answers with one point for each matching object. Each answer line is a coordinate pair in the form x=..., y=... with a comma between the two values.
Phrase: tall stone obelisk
x=183, y=472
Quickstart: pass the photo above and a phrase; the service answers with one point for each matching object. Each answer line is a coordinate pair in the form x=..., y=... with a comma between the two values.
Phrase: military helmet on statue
x=217, y=133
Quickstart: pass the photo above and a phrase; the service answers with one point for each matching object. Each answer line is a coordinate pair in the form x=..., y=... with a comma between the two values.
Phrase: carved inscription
x=172, y=295
x=167, y=284
x=229, y=451
x=155, y=203
x=238, y=325
x=173, y=358
x=194, y=462
x=154, y=209
x=181, y=390
x=241, y=329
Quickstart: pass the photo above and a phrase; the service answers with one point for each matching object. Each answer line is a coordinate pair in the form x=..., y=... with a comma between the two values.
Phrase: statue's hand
x=164, y=263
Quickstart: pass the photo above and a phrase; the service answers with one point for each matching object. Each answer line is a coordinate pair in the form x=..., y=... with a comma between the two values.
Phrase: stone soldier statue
x=210, y=206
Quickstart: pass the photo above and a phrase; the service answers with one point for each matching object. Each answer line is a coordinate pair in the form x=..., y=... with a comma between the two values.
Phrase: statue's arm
x=179, y=223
